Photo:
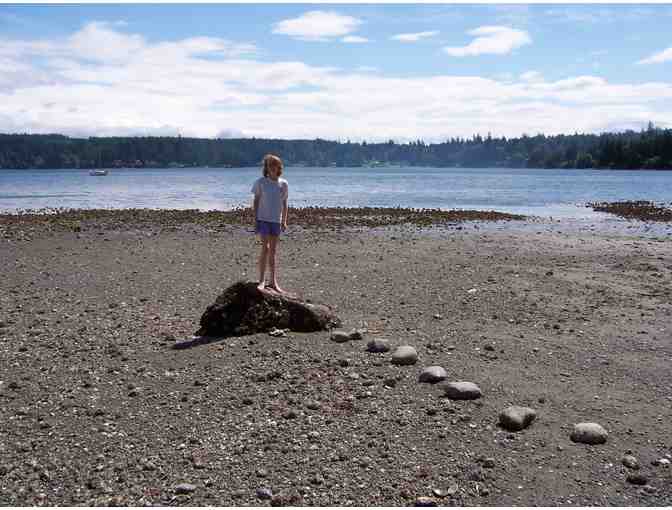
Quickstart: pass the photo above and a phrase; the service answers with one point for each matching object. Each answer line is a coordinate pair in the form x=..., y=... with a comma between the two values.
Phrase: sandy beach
x=99, y=409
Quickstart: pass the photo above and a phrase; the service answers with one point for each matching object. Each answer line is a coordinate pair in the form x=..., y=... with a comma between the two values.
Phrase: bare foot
x=282, y=291
x=261, y=286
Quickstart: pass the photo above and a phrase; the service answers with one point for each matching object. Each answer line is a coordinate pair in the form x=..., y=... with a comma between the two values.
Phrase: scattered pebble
x=264, y=493
x=390, y=382
x=339, y=336
x=378, y=345
x=317, y=479
x=462, y=390
x=356, y=334
x=661, y=462
x=289, y=414
x=185, y=488
x=630, y=461
x=313, y=405
x=404, y=355
x=637, y=479
x=515, y=418
x=589, y=433
x=489, y=463
x=425, y=501
x=278, y=332
x=432, y=375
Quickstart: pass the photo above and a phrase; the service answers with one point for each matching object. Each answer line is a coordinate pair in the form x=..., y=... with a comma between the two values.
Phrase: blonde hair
x=270, y=159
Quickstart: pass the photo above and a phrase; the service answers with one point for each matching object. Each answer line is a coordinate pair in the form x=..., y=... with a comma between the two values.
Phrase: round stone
x=378, y=345
x=404, y=355
x=432, y=375
x=589, y=433
x=462, y=390
x=264, y=493
x=425, y=501
x=185, y=488
x=630, y=462
x=515, y=418
x=489, y=463
x=339, y=336
x=290, y=414
x=637, y=479
x=313, y=405
x=356, y=334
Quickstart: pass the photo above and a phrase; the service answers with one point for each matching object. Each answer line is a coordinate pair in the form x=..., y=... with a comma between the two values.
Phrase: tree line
x=650, y=148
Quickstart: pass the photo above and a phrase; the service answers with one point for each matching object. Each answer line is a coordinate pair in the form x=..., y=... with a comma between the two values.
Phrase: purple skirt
x=268, y=228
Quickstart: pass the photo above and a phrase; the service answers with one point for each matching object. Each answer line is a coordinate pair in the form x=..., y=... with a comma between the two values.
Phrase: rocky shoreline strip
x=635, y=210
x=25, y=224
x=304, y=216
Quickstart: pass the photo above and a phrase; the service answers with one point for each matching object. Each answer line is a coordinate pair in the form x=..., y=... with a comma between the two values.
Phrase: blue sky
x=334, y=71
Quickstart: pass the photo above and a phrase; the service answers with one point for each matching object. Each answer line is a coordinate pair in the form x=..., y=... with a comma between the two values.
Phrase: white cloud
x=414, y=37
x=98, y=41
x=532, y=76
x=354, y=39
x=494, y=40
x=317, y=26
x=658, y=58
x=204, y=87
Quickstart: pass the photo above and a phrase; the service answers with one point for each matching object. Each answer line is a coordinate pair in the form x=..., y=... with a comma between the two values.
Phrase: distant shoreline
x=647, y=149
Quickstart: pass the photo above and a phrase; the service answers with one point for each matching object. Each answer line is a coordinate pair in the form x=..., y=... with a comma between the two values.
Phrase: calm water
x=555, y=193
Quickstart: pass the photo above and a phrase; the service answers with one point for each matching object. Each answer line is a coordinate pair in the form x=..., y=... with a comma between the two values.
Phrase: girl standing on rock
x=270, y=213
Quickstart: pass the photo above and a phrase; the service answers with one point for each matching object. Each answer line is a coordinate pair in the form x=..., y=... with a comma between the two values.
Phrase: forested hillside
x=650, y=148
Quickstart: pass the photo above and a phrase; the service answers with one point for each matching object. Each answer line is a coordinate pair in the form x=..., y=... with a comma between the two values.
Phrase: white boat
x=98, y=172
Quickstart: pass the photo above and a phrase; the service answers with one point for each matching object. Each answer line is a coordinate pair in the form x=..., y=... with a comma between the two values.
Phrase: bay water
x=538, y=192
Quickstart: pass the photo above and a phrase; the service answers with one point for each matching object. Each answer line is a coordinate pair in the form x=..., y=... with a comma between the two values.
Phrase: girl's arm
x=255, y=202
x=255, y=206
x=284, y=213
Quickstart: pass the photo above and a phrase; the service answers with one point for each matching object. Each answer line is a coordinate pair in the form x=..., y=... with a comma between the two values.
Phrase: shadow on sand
x=197, y=341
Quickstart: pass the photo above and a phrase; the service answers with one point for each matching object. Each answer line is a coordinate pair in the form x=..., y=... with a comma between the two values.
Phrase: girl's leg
x=272, y=261
x=261, y=264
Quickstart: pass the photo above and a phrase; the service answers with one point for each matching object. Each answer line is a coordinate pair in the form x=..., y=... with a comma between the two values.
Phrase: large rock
x=242, y=309
x=404, y=355
x=432, y=375
x=589, y=433
x=462, y=390
x=515, y=418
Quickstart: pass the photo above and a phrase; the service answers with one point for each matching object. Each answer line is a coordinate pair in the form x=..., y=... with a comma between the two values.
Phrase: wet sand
x=98, y=409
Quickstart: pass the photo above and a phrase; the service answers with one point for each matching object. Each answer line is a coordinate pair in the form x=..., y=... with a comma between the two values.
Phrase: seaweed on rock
x=242, y=309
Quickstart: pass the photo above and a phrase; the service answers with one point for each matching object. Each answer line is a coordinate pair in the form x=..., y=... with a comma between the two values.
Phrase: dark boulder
x=243, y=309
